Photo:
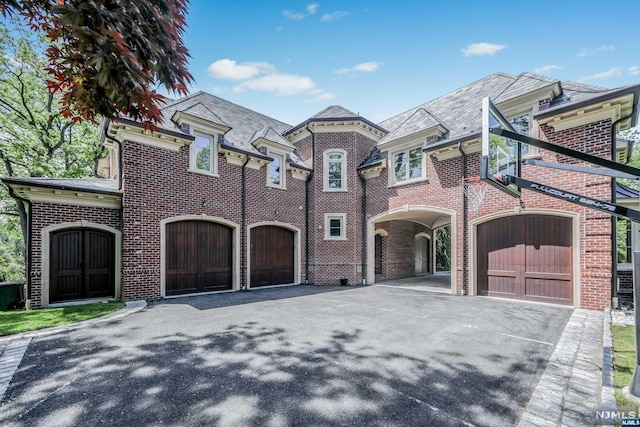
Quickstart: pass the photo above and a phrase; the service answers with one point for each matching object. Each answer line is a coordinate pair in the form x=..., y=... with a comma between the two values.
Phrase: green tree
x=106, y=56
x=36, y=140
x=443, y=248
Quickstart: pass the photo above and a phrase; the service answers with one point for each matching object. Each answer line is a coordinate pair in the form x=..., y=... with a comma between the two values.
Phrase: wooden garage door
x=199, y=257
x=82, y=264
x=272, y=256
x=527, y=257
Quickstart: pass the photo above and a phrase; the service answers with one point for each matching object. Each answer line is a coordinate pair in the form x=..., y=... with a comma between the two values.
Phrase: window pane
x=203, y=153
x=335, y=156
x=415, y=163
x=275, y=170
x=335, y=175
x=623, y=235
x=522, y=126
x=400, y=166
x=334, y=227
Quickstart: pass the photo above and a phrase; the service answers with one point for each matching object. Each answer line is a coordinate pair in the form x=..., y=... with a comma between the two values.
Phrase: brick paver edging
x=568, y=392
x=13, y=347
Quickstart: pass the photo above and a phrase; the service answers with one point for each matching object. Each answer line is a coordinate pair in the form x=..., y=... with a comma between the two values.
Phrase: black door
x=82, y=264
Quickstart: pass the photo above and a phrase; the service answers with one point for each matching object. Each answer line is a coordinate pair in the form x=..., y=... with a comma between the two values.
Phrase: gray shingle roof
x=421, y=119
x=622, y=191
x=375, y=157
x=269, y=134
x=460, y=110
x=242, y=121
x=97, y=185
x=334, y=112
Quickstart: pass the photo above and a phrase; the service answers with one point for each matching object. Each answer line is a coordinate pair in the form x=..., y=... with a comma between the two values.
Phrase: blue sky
x=291, y=59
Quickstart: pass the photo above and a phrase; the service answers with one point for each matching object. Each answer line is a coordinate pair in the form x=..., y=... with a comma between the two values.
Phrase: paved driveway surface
x=292, y=356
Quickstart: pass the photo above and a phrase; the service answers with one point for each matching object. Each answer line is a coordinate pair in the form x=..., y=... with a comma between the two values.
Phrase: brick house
x=222, y=198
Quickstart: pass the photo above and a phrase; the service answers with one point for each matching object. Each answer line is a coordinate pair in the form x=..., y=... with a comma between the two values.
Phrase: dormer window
x=276, y=176
x=203, y=154
x=408, y=165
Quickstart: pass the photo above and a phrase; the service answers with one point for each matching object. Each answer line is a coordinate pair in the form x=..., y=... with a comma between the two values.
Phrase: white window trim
x=628, y=266
x=343, y=226
x=391, y=167
x=325, y=171
x=214, y=153
x=283, y=168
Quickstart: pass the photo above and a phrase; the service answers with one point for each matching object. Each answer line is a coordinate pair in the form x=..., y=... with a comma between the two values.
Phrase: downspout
x=29, y=246
x=306, y=204
x=120, y=158
x=614, y=230
x=464, y=219
x=243, y=241
x=364, y=229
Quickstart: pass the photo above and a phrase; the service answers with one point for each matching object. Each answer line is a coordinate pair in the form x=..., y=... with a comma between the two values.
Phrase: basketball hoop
x=474, y=189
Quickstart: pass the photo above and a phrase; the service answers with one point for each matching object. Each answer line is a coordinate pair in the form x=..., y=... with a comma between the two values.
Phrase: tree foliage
x=443, y=248
x=105, y=56
x=36, y=140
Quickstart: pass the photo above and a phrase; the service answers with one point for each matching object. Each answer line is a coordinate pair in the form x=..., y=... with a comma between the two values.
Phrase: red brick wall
x=595, y=227
x=47, y=214
x=398, y=249
x=331, y=260
x=158, y=185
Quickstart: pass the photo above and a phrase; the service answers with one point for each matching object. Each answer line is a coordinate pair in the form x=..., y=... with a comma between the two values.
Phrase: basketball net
x=474, y=189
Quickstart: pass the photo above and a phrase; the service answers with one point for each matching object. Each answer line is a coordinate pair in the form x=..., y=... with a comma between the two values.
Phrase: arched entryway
x=394, y=256
x=423, y=261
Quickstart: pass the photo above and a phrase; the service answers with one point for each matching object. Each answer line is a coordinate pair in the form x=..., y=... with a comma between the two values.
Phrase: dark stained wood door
x=199, y=257
x=527, y=257
x=82, y=264
x=272, y=256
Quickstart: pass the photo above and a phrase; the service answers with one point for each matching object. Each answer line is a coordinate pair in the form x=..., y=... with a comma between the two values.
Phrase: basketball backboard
x=501, y=156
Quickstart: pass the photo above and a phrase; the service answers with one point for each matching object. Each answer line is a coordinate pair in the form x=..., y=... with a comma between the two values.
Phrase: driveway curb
x=13, y=347
x=568, y=392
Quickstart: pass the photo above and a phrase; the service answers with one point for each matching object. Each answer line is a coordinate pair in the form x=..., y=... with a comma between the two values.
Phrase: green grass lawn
x=624, y=360
x=13, y=322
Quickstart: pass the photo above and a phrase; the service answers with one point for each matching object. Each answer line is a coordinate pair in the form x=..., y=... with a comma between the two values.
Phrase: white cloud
x=227, y=69
x=595, y=50
x=634, y=71
x=482, y=49
x=218, y=89
x=546, y=69
x=291, y=14
x=334, y=16
x=611, y=72
x=282, y=84
x=321, y=96
x=367, y=67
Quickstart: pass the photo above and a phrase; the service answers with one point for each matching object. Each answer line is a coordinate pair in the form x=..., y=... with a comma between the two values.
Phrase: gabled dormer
x=208, y=130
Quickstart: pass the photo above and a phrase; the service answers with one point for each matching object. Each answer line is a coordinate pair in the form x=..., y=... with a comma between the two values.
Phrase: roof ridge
x=497, y=73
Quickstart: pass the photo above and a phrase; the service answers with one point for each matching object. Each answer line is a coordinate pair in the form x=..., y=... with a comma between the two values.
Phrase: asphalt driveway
x=299, y=355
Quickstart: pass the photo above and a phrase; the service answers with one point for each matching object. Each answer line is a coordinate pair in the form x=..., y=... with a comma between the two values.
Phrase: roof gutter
x=307, y=239
x=570, y=106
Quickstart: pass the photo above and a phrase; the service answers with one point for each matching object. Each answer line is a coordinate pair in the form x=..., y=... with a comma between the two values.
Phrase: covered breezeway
x=402, y=248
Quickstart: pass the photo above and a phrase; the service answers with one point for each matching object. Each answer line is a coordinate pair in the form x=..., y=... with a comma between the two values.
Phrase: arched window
x=335, y=170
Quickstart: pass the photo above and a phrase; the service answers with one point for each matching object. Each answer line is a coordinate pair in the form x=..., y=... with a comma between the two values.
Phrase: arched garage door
x=272, y=256
x=199, y=257
x=528, y=257
x=82, y=264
